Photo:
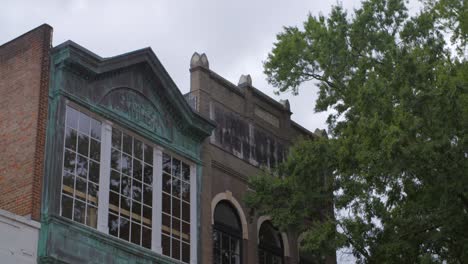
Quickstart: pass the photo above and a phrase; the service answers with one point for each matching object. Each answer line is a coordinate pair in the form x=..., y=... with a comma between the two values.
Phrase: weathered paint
x=135, y=92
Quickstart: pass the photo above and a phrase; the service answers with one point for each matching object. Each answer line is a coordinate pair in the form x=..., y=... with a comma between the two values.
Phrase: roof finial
x=199, y=60
x=245, y=80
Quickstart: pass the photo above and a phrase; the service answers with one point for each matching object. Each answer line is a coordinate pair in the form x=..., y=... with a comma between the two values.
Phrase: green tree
x=397, y=156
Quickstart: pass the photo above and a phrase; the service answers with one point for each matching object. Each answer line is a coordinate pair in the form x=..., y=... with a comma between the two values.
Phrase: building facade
x=109, y=163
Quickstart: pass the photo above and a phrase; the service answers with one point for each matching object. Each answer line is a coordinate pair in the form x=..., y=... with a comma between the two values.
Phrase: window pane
x=126, y=163
x=125, y=186
x=148, y=174
x=166, y=163
x=166, y=203
x=115, y=160
x=167, y=182
x=82, y=167
x=124, y=226
x=69, y=161
x=175, y=187
x=95, y=150
x=136, y=190
x=83, y=144
x=166, y=224
x=114, y=202
x=137, y=170
x=116, y=138
x=67, y=206
x=136, y=233
x=68, y=183
x=95, y=129
x=185, y=172
x=175, y=207
x=93, y=190
x=94, y=171
x=84, y=124
x=176, y=228
x=176, y=169
x=148, y=154
x=146, y=238
x=79, y=212
x=113, y=222
x=185, y=191
x=91, y=216
x=147, y=195
x=175, y=248
x=80, y=186
x=70, y=138
x=186, y=211
x=136, y=211
x=125, y=204
x=185, y=232
x=72, y=117
x=138, y=149
x=185, y=252
x=115, y=181
x=166, y=245
x=127, y=144
x=147, y=216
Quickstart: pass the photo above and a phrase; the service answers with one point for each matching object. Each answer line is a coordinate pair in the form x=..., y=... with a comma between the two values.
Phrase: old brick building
x=112, y=164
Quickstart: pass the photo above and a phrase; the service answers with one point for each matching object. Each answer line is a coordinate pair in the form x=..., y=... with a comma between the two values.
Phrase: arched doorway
x=270, y=246
x=227, y=235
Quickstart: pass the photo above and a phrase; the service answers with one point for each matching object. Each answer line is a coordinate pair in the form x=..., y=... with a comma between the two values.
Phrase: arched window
x=270, y=246
x=227, y=235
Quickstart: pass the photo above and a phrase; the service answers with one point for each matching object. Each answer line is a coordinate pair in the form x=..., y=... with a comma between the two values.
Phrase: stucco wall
x=18, y=238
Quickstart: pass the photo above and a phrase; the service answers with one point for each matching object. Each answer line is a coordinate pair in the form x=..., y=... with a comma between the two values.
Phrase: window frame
x=104, y=183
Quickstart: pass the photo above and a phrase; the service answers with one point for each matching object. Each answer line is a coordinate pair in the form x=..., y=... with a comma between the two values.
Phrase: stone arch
x=284, y=235
x=227, y=195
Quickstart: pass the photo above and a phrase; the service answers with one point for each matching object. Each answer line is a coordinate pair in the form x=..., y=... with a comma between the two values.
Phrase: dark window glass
x=67, y=206
x=147, y=195
x=227, y=234
x=115, y=181
x=137, y=170
x=113, y=222
x=79, y=212
x=146, y=238
x=136, y=233
x=94, y=171
x=167, y=163
x=116, y=138
x=95, y=150
x=185, y=172
x=138, y=149
x=148, y=174
x=166, y=245
x=148, y=154
x=127, y=144
x=124, y=227
x=82, y=167
x=175, y=248
x=83, y=144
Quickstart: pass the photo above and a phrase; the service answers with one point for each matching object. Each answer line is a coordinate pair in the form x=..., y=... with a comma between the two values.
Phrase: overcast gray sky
x=235, y=35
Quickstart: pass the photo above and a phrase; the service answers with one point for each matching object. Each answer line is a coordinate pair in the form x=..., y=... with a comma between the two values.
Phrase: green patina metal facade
x=134, y=91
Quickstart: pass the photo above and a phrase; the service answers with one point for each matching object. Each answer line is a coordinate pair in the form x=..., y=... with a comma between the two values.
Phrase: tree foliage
x=397, y=157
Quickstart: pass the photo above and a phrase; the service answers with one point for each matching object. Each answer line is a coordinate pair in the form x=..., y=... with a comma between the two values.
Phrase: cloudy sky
x=235, y=35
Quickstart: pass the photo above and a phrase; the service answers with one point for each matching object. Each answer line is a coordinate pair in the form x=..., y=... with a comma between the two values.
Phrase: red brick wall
x=24, y=81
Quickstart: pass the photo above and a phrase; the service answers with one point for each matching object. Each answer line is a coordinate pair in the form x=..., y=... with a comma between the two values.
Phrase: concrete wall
x=18, y=239
x=24, y=64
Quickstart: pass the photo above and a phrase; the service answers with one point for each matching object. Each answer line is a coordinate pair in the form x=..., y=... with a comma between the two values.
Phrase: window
x=175, y=208
x=131, y=191
x=133, y=172
x=227, y=235
x=270, y=246
x=81, y=164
